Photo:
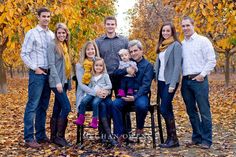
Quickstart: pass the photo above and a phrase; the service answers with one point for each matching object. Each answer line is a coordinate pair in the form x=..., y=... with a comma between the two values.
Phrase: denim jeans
x=105, y=108
x=127, y=83
x=36, y=107
x=61, y=107
x=118, y=108
x=89, y=99
x=166, y=99
x=195, y=95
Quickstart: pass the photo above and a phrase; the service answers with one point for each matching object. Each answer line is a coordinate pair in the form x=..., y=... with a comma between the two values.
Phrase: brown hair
x=83, y=51
x=110, y=18
x=41, y=10
x=59, y=48
x=188, y=18
x=96, y=59
x=161, y=38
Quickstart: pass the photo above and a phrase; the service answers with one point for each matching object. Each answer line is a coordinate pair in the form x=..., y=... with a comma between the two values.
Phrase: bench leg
x=82, y=135
x=78, y=135
x=153, y=130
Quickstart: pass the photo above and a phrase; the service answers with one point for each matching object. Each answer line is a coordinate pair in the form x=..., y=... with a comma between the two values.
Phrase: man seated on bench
x=142, y=83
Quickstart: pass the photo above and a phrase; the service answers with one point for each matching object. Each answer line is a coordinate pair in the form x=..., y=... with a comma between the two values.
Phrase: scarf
x=166, y=43
x=87, y=65
x=68, y=66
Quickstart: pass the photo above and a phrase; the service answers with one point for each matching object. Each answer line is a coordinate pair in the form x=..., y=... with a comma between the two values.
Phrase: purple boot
x=80, y=120
x=121, y=93
x=94, y=123
x=130, y=92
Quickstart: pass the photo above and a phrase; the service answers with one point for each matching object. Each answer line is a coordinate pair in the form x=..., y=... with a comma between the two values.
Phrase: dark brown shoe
x=32, y=144
x=192, y=143
x=139, y=132
x=44, y=141
x=204, y=146
x=120, y=140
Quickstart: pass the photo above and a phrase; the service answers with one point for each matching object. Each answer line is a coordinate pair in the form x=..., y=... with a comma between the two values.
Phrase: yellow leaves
x=3, y=18
x=204, y=13
x=201, y=6
x=224, y=43
x=210, y=6
x=231, y=6
x=19, y=17
x=219, y=6
x=223, y=115
x=2, y=8
x=215, y=1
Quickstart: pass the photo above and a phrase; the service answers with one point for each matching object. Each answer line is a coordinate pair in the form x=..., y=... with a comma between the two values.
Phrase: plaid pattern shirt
x=34, y=49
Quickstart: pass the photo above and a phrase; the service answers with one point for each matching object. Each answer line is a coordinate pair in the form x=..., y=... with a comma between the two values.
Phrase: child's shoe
x=121, y=93
x=80, y=120
x=94, y=123
x=130, y=92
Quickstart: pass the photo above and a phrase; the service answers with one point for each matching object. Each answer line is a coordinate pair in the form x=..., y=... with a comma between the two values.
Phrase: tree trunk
x=3, y=77
x=11, y=71
x=227, y=77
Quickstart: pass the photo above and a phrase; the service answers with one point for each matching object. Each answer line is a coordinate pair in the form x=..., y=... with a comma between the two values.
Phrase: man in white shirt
x=198, y=61
x=34, y=55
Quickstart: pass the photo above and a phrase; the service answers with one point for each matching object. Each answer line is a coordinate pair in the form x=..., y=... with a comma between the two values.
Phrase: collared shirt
x=109, y=48
x=34, y=49
x=198, y=55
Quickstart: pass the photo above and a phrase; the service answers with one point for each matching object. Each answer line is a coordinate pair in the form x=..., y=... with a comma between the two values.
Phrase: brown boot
x=53, y=129
x=173, y=140
x=61, y=128
x=108, y=132
x=168, y=131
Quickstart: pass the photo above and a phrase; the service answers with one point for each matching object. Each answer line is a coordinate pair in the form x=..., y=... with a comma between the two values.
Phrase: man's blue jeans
x=95, y=101
x=36, y=107
x=195, y=95
x=166, y=99
x=118, y=108
x=61, y=107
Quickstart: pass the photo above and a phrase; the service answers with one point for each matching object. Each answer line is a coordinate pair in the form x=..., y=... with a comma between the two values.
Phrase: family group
x=111, y=64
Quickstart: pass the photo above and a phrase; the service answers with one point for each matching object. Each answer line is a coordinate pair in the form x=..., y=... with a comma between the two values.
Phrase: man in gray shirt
x=34, y=55
x=109, y=45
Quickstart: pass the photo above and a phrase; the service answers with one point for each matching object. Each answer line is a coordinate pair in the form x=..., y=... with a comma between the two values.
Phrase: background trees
x=83, y=17
x=215, y=19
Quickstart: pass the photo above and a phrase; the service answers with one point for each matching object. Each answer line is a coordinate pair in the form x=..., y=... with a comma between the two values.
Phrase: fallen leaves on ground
x=223, y=107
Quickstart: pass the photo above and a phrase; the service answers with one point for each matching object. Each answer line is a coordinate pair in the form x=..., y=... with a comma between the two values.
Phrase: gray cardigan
x=103, y=82
x=56, y=66
x=82, y=89
x=173, y=61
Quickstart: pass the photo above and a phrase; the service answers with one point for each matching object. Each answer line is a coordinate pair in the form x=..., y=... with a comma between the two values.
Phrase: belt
x=190, y=77
x=44, y=70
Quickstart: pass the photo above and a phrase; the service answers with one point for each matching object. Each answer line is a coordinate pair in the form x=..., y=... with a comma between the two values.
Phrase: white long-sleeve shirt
x=161, y=76
x=34, y=48
x=198, y=55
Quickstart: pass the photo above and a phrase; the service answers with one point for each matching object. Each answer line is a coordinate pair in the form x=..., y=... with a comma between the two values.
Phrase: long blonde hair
x=59, y=48
x=96, y=59
x=83, y=51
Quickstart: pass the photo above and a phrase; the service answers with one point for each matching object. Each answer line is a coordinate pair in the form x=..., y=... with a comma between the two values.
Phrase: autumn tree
x=215, y=19
x=83, y=17
x=147, y=17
